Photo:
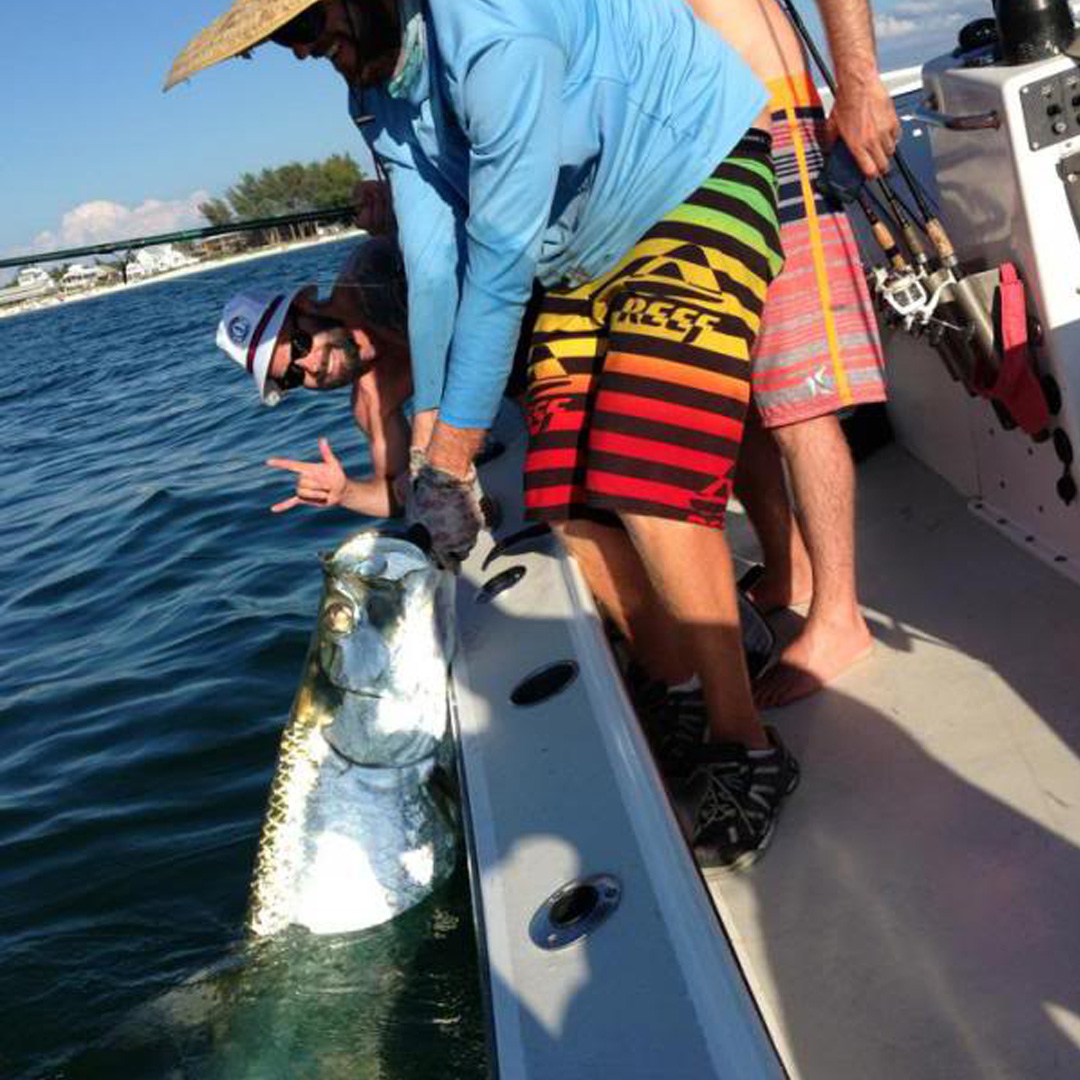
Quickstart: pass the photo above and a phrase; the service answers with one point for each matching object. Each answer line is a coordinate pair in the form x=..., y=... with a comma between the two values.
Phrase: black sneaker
x=674, y=722
x=683, y=736
x=736, y=798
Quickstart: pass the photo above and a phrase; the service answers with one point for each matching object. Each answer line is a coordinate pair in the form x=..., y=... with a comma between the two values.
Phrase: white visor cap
x=248, y=333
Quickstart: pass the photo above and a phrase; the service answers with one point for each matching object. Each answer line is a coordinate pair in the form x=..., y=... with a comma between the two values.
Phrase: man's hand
x=863, y=114
x=449, y=508
x=374, y=207
x=318, y=483
x=865, y=118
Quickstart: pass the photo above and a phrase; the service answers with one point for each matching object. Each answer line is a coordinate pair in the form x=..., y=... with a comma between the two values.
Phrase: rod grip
x=888, y=245
x=942, y=244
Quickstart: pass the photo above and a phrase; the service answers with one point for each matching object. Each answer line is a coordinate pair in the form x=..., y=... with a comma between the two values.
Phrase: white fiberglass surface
x=915, y=915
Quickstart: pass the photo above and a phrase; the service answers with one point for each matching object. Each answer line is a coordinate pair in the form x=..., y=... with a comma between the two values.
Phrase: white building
x=30, y=283
x=157, y=260
x=79, y=277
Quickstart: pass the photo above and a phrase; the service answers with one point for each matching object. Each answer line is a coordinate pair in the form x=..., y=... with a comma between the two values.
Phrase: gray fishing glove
x=450, y=509
x=403, y=485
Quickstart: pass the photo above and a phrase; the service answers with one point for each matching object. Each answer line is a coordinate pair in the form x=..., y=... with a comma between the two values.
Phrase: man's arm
x=511, y=112
x=452, y=449
x=512, y=176
x=374, y=496
x=863, y=115
x=323, y=484
x=377, y=399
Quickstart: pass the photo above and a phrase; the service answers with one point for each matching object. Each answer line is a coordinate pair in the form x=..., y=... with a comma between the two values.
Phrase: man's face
x=318, y=353
x=362, y=42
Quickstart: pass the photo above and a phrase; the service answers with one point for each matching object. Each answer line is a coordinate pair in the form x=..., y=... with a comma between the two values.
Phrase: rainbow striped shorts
x=639, y=381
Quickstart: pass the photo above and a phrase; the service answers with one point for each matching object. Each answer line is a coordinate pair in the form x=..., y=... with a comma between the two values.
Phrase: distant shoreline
x=43, y=303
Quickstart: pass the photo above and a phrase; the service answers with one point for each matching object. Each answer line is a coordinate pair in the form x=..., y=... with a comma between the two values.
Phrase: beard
x=342, y=364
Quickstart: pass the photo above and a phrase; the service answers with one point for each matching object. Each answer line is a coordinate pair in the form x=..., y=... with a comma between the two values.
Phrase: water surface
x=154, y=620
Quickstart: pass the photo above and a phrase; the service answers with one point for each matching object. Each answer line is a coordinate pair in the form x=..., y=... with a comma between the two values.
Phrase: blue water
x=154, y=619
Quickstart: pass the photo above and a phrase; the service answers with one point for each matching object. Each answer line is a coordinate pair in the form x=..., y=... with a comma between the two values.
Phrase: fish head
x=375, y=587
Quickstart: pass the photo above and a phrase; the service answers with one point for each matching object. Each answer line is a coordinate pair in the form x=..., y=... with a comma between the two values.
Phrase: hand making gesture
x=318, y=483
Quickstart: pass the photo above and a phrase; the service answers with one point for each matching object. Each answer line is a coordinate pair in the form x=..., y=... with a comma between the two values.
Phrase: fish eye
x=339, y=617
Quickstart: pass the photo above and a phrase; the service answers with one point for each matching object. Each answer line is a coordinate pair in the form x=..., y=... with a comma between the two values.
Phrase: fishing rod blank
x=970, y=302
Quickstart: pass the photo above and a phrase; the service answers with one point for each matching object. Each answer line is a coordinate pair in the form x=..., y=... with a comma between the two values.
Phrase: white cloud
x=918, y=7
x=918, y=17
x=100, y=221
x=888, y=26
x=913, y=31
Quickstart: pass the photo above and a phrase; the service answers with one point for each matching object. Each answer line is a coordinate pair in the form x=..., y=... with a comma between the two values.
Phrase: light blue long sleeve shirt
x=543, y=138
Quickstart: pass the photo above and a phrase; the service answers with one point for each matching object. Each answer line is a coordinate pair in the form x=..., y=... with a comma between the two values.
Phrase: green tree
x=287, y=189
x=333, y=181
x=216, y=211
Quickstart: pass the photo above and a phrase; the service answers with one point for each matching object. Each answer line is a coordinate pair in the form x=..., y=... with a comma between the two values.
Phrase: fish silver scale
x=357, y=829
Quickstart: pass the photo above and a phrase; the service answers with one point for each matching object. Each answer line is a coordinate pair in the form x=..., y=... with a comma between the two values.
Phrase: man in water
x=355, y=339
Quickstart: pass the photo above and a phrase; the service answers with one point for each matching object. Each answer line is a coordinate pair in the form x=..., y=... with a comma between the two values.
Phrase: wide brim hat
x=248, y=332
x=241, y=28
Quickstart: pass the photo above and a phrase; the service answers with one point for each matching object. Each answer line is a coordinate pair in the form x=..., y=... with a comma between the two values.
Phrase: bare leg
x=761, y=488
x=690, y=568
x=614, y=573
x=835, y=634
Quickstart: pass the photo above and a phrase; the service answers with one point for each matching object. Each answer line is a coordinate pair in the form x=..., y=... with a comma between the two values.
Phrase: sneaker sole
x=748, y=858
x=743, y=862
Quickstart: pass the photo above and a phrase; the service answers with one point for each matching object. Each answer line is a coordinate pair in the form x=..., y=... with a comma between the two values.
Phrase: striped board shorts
x=818, y=351
x=639, y=381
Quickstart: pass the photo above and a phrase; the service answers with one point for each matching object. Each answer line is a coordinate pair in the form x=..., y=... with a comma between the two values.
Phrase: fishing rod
x=826, y=73
x=896, y=209
x=883, y=235
x=902, y=288
x=949, y=276
x=250, y=225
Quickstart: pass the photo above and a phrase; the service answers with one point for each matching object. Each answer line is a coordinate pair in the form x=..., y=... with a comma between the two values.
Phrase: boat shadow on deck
x=916, y=914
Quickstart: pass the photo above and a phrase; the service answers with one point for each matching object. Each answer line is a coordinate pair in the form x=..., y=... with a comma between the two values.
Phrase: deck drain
x=502, y=581
x=517, y=539
x=547, y=682
x=574, y=911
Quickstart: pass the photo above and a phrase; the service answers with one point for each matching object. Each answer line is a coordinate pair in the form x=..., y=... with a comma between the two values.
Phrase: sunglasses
x=299, y=346
x=303, y=29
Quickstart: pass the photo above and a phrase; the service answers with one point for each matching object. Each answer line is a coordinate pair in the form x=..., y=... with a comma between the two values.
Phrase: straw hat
x=242, y=27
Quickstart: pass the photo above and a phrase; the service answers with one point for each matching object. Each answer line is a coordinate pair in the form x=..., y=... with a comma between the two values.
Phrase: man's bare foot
x=817, y=656
x=773, y=591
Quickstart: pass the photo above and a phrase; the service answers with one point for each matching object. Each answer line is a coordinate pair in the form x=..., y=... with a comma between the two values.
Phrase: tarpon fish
x=358, y=828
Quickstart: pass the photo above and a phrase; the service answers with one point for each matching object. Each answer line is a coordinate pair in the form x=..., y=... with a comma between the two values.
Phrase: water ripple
x=154, y=621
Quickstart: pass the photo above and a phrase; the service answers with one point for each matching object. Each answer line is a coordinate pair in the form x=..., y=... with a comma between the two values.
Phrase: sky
x=94, y=151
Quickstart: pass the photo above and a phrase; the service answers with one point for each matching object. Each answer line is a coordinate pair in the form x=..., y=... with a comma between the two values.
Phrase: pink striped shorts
x=818, y=351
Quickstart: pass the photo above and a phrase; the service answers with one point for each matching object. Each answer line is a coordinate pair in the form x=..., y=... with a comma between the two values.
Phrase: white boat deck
x=917, y=914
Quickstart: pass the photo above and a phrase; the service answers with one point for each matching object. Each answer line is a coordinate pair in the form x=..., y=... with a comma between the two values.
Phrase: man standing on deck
x=614, y=149
x=818, y=351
